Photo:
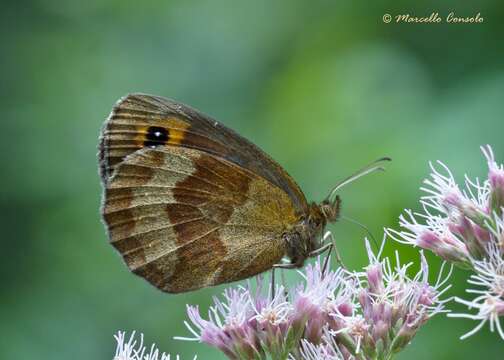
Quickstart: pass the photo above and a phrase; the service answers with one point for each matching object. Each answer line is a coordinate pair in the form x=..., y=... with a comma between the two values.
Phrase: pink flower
x=489, y=302
x=457, y=224
x=131, y=350
x=228, y=327
x=393, y=305
x=332, y=314
x=320, y=295
x=495, y=179
x=465, y=227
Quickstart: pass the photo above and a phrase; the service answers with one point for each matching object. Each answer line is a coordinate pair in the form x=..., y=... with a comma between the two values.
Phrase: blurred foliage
x=324, y=87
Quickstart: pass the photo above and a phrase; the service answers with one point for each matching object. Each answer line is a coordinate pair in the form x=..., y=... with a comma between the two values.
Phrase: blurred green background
x=324, y=87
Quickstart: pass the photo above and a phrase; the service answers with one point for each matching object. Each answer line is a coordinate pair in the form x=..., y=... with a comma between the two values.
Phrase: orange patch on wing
x=123, y=136
x=176, y=136
x=174, y=126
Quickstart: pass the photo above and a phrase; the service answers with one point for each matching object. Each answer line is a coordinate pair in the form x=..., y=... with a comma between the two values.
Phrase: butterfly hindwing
x=183, y=218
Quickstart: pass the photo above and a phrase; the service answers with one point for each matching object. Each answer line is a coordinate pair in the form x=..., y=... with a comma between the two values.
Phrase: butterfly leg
x=280, y=266
x=327, y=247
x=272, y=283
x=284, y=284
x=286, y=266
x=330, y=246
x=322, y=249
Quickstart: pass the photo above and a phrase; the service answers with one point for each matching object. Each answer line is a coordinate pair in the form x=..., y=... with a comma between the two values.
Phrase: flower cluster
x=489, y=280
x=465, y=226
x=130, y=350
x=329, y=315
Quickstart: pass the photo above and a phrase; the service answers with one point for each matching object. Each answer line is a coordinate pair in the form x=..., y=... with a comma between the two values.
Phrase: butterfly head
x=320, y=215
x=306, y=237
x=331, y=209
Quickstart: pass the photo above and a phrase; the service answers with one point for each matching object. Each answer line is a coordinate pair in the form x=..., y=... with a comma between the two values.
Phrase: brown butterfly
x=190, y=203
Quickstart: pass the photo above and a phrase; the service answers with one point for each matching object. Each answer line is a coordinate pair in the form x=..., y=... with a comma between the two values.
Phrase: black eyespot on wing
x=156, y=136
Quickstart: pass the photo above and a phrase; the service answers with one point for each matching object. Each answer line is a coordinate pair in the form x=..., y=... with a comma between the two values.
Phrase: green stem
x=348, y=342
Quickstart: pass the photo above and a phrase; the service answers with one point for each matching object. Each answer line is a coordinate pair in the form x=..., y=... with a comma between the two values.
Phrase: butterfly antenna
x=368, y=169
x=361, y=225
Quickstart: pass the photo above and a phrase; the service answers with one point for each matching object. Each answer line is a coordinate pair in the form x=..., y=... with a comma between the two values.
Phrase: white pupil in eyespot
x=157, y=134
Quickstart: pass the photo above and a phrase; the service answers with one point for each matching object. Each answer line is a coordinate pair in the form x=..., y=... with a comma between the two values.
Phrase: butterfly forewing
x=139, y=121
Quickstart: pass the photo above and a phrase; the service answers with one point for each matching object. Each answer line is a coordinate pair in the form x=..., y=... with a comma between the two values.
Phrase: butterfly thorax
x=305, y=238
